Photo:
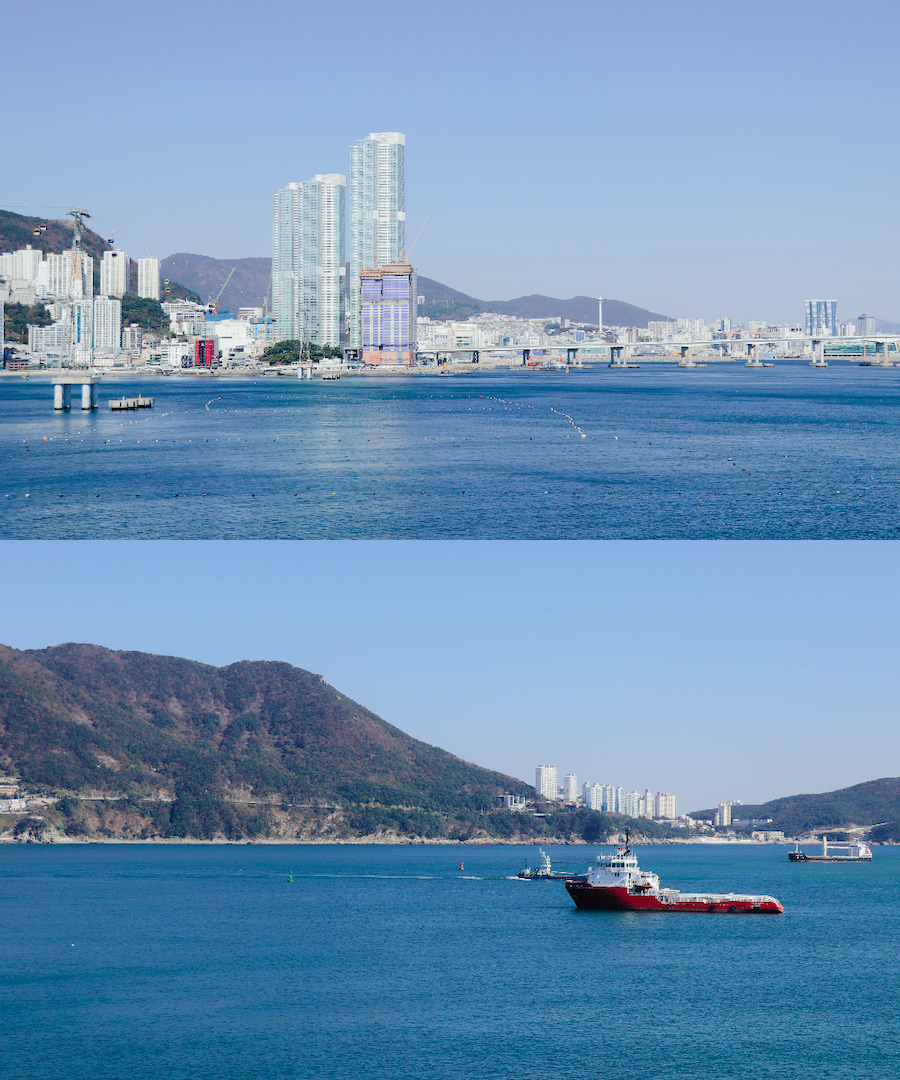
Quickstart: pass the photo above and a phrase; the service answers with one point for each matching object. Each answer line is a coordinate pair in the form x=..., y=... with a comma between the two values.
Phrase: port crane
x=214, y=304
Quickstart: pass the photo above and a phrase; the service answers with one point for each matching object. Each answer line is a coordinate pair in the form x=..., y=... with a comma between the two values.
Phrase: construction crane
x=214, y=304
x=418, y=234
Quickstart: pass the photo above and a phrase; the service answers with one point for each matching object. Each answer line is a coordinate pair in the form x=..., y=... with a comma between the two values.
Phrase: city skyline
x=698, y=668
x=704, y=189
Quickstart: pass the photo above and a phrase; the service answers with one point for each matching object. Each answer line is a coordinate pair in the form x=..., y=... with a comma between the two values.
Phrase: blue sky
x=696, y=158
x=713, y=670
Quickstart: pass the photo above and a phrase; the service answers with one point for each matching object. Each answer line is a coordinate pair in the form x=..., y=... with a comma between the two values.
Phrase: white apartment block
x=107, y=323
x=148, y=278
x=570, y=788
x=592, y=796
x=666, y=806
x=132, y=338
x=545, y=781
x=115, y=268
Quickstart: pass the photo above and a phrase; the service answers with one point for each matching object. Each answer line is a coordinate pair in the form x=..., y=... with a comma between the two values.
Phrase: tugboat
x=546, y=873
x=856, y=852
x=617, y=883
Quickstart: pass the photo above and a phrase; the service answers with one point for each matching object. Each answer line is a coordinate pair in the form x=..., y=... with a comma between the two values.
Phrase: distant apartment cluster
x=374, y=313
x=609, y=798
x=86, y=330
x=82, y=323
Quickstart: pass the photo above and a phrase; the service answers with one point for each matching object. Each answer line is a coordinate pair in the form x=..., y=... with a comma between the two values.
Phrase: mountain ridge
x=250, y=285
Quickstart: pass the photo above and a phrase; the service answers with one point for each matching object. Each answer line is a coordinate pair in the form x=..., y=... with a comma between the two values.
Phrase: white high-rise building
x=570, y=788
x=107, y=323
x=666, y=806
x=723, y=813
x=308, y=271
x=545, y=781
x=377, y=213
x=115, y=268
x=148, y=278
x=592, y=796
x=24, y=264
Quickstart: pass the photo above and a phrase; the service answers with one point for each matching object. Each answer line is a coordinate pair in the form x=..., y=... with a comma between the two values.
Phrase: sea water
x=392, y=963
x=724, y=452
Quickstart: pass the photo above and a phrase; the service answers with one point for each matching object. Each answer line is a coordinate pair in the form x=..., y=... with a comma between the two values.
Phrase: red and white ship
x=617, y=883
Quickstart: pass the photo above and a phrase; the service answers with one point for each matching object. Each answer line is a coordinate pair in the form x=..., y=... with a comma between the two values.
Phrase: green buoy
x=290, y=877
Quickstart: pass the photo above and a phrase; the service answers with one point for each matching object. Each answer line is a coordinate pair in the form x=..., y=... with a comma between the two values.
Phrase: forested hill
x=50, y=235
x=870, y=803
x=82, y=716
x=80, y=719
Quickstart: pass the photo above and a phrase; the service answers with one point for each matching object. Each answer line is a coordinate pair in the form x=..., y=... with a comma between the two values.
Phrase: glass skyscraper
x=377, y=213
x=308, y=296
x=821, y=317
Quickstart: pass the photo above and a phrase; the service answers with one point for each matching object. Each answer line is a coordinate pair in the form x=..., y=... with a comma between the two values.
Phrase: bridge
x=577, y=353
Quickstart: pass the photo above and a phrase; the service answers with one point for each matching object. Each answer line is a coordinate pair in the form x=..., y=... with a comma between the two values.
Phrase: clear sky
x=698, y=158
x=712, y=670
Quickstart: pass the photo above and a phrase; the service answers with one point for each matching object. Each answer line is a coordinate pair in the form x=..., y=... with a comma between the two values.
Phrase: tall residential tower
x=308, y=268
x=377, y=213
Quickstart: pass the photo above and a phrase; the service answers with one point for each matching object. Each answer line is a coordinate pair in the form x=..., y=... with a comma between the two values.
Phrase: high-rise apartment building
x=148, y=278
x=107, y=323
x=666, y=805
x=592, y=796
x=388, y=313
x=821, y=317
x=865, y=325
x=115, y=268
x=377, y=213
x=723, y=813
x=570, y=788
x=545, y=781
x=308, y=270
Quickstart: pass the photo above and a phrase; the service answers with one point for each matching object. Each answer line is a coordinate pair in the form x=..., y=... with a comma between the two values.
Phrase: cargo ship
x=617, y=883
x=855, y=852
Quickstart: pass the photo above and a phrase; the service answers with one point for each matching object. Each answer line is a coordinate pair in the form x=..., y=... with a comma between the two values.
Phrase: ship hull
x=597, y=898
x=794, y=857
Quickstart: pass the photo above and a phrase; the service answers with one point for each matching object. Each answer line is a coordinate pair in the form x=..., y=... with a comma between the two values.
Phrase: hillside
x=17, y=231
x=863, y=804
x=201, y=743
x=247, y=287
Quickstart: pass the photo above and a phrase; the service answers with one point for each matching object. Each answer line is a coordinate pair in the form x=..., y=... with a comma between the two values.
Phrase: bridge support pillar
x=526, y=356
x=62, y=396
x=475, y=356
x=88, y=396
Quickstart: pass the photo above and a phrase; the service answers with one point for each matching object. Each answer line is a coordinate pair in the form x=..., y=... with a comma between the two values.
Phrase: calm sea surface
x=725, y=452
x=392, y=964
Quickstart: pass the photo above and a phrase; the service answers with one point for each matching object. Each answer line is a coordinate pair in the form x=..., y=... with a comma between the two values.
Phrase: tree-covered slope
x=864, y=804
x=78, y=717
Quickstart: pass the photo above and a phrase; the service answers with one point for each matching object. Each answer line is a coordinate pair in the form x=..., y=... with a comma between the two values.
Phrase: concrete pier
x=62, y=391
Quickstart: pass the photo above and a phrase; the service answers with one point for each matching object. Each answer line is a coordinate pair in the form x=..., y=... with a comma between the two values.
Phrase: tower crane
x=214, y=304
